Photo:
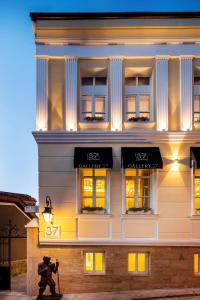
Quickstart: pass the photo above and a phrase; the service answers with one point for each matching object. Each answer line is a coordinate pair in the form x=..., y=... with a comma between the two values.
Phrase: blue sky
x=18, y=150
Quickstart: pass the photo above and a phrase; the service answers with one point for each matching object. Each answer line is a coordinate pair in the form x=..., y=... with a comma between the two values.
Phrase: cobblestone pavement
x=19, y=288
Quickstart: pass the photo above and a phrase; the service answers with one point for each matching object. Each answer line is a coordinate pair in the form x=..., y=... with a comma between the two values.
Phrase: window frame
x=151, y=178
x=94, y=272
x=147, y=263
x=137, y=112
x=107, y=192
x=94, y=91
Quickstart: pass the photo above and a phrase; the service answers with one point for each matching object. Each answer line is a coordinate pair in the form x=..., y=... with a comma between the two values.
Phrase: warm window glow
x=196, y=112
x=138, y=263
x=89, y=261
x=137, y=106
x=93, y=98
x=94, y=262
x=196, y=263
x=137, y=188
x=93, y=187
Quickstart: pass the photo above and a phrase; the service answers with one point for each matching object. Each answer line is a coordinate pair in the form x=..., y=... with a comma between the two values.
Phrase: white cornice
x=117, y=137
x=125, y=242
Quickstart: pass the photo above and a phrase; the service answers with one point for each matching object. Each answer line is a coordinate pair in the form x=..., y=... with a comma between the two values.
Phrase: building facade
x=117, y=128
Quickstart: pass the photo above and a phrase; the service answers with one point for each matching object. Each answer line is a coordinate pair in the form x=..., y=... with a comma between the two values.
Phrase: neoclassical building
x=118, y=133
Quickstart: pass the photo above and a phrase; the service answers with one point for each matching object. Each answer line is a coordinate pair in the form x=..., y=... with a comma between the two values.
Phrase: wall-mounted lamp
x=47, y=213
x=175, y=164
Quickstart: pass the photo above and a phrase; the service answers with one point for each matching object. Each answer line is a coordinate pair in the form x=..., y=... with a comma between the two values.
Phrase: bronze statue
x=45, y=270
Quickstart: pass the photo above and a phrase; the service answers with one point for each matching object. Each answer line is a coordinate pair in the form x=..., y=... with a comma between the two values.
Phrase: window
x=196, y=264
x=93, y=98
x=93, y=188
x=137, y=107
x=94, y=262
x=138, y=263
x=196, y=109
x=196, y=80
x=138, y=80
x=137, y=189
x=197, y=190
x=137, y=99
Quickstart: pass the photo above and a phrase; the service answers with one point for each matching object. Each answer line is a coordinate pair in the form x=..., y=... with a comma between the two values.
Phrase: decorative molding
x=124, y=242
x=116, y=93
x=121, y=50
x=142, y=136
x=94, y=125
x=139, y=125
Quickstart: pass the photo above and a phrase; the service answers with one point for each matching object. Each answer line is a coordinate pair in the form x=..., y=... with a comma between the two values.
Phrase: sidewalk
x=172, y=294
x=19, y=288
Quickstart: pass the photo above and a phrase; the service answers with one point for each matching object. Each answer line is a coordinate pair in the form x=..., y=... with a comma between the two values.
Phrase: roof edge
x=111, y=15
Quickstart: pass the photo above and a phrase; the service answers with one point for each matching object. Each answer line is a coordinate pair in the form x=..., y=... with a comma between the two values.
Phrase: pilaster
x=42, y=93
x=186, y=92
x=162, y=92
x=71, y=93
x=116, y=93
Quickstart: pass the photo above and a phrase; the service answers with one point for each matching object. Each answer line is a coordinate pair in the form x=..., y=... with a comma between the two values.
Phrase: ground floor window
x=138, y=263
x=93, y=189
x=196, y=263
x=137, y=189
x=197, y=191
x=94, y=262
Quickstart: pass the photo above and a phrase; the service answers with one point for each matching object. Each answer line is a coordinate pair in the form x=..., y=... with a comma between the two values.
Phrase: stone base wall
x=18, y=267
x=170, y=267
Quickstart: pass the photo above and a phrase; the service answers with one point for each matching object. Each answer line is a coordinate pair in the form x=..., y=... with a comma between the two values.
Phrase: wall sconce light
x=175, y=164
x=47, y=213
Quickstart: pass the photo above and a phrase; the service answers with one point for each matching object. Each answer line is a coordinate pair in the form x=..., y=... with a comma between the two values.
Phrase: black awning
x=195, y=156
x=142, y=158
x=93, y=157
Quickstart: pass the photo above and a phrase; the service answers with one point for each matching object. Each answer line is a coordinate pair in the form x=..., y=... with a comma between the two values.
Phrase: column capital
x=186, y=57
x=38, y=56
x=116, y=58
x=71, y=58
x=162, y=57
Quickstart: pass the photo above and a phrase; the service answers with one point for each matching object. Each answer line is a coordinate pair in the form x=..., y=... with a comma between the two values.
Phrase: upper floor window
x=137, y=80
x=137, y=108
x=137, y=98
x=93, y=190
x=137, y=190
x=94, y=98
x=196, y=108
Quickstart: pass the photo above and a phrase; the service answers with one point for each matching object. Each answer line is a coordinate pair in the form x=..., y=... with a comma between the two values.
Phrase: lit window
x=138, y=263
x=94, y=262
x=196, y=264
x=137, y=108
x=93, y=188
x=196, y=108
x=197, y=191
x=137, y=188
x=93, y=98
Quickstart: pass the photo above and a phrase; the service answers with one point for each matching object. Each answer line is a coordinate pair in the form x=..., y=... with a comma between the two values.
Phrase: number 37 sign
x=52, y=232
